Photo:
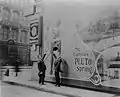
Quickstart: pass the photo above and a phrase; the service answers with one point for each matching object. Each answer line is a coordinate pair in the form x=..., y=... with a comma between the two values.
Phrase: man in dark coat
x=57, y=66
x=42, y=69
x=58, y=70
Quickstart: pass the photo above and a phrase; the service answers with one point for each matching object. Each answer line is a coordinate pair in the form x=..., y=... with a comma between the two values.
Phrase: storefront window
x=15, y=35
x=10, y=35
x=21, y=37
x=23, y=54
x=1, y=33
x=24, y=36
x=5, y=33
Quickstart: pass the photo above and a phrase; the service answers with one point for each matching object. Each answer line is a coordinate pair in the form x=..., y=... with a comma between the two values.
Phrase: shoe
x=39, y=83
x=43, y=84
x=55, y=84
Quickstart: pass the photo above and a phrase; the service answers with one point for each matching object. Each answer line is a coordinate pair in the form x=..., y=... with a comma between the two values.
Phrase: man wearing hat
x=42, y=69
x=57, y=66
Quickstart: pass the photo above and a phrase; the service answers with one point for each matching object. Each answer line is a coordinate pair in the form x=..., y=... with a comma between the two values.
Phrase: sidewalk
x=63, y=90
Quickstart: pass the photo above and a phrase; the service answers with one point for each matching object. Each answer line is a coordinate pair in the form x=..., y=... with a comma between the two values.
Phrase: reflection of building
x=102, y=67
x=109, y=70
x=13, y=27
x=114, y=67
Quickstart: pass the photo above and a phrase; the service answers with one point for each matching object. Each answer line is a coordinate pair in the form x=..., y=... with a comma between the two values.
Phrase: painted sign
x=91, y=54
x=84, y=61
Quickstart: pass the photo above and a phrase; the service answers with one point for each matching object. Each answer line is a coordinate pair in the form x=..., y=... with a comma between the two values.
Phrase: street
x=7, y=90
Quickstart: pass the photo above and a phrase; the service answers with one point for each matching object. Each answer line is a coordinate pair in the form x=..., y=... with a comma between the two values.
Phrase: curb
x=40, y=89
x=111, y=90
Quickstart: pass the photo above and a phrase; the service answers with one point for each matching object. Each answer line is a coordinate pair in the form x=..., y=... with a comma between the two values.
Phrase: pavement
x=9, y=90
x=51, y=88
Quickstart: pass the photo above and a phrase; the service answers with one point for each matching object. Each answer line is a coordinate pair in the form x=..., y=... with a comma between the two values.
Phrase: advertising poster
x=102, y=36
x=84, y=61
x=90, y=40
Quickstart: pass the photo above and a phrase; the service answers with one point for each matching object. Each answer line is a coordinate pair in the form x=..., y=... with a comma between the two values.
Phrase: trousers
x=41, y=78
x=57, y=78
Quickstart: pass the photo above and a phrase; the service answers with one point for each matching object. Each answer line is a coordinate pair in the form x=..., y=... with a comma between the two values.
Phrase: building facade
x=14, y=36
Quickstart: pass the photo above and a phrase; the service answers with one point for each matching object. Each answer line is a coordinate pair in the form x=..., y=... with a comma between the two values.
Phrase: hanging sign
x=34, y=32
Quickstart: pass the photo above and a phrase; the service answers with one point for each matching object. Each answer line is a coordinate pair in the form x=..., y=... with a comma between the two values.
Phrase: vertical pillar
x=35, y=71
x=40, y=34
